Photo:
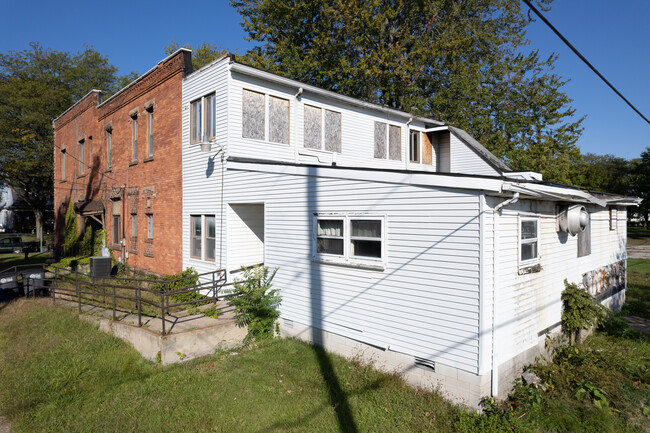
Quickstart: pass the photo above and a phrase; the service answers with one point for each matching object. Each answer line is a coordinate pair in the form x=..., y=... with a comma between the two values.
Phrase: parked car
x=15, y=244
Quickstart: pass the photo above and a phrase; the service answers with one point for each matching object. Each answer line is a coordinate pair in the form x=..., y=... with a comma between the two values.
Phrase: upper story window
x=388, y=141
x=63, y=152
x=203, y=118
x=109, y=147
x=322, y=129
x=414, y=146
x=254, y=119
x=150, y=132
x=82, y=156
x=528, y=241
x=613, y=218
x=90, y=152
x=134, y=137
x=149, y=226
x=351, y=239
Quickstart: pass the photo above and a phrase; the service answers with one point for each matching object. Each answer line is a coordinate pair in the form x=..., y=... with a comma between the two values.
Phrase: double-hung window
x=150, y=132
x=350, y=239
x=134, y=138
x=82, y=156
x=196, y=237
x=528, y=241
x=203, y=118
x=63, y=152
x=210, y=233
x=109, y=149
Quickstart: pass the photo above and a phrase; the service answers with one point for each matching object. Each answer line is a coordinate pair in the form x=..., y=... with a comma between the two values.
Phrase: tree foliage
x=641, y=184
x=460, y=62
x=37, y=85
x=606, y=173
x=203, y=54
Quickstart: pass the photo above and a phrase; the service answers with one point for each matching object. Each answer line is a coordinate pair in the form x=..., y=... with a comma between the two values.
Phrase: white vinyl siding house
x=445, y=256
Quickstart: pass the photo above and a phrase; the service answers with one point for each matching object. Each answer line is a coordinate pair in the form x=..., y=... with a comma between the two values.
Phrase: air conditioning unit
x=100, y=266
x=572, y=219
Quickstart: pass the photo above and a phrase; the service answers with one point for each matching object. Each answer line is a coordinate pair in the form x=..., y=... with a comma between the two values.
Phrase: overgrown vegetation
x=580, y=311
x=182, y=280
x=71, y=231
x=256, y=304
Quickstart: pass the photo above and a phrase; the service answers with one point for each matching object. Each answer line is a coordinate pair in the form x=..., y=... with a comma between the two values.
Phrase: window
x=584, y=240
x=195, y=121
x=149, y=226
x=134, y=138
x=528, y=241
x=253, y=115
x=63, y=152
x=109, y=148
x=388, y=141
x=90, y=152
x=414, y=146
x=150, y=132
x=210, y=232
x=318, y=137
x=350, y=239
x=82, y=156
x=278, y=120
x=612, y=218
x=195, y=241
x=134, y=225
x=117, y=229
x=203, y=127
x=209, y=121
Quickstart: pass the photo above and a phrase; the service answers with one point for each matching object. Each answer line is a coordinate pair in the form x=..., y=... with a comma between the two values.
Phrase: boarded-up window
x=332, y=131
x=427, y=150
x=395, y=143
x=380, y=140
x=278, y=120
x=253, y=125
x=584, y=240
x=313, y=127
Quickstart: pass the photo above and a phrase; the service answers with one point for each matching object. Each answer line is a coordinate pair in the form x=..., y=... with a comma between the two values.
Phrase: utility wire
x=577, y=53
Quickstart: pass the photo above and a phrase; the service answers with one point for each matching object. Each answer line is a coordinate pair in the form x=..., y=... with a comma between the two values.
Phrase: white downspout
x=295, y=125
x=495, y=241
x=408, y=144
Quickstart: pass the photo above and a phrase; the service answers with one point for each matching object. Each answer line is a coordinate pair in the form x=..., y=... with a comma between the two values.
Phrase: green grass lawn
x=638, y=236
x=8, y=260
x=61, y=374
x=638, y=291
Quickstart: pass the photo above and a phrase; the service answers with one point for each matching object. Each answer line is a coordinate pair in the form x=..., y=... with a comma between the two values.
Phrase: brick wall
x=131, y=188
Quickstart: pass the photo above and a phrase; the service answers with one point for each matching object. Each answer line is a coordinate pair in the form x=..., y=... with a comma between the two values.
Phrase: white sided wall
x=529, y=304
x=425, y=303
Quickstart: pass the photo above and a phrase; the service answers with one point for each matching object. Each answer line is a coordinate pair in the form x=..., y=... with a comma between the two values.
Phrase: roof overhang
x=570, y=194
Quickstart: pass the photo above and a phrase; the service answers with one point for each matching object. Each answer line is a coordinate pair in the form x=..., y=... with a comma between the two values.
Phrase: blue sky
x=613, y=36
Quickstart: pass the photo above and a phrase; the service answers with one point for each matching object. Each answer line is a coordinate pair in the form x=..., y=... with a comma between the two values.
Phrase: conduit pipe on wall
x=495, y=242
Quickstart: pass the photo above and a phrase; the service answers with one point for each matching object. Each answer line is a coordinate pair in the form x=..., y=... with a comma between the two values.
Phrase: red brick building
x=118, y=162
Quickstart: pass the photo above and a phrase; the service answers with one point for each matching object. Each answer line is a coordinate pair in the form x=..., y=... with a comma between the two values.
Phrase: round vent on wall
x=572, y=219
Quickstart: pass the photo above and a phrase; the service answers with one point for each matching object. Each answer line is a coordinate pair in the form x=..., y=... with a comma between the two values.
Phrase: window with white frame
x=350, y=239
x=322, y=129
x=528, y=241
x=388, y=141
x=210, y=237
x=195, y=236
x=265, y=117
x=203, y=118
x=414, y=146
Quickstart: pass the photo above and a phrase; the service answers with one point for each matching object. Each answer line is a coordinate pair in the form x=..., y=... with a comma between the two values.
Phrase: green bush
x=87, y=242
x=256, y=304
x=71, y=231
x=99, y=242
x=185, y=279
x=579, y=311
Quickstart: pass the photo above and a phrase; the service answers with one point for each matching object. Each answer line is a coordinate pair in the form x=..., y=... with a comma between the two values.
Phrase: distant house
x=398, y=238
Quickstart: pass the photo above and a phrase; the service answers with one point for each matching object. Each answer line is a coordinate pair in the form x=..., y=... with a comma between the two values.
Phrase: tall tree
x=37, y=85
x=462, y=62
x=606, y=173
x=203, y=54
x=641, y=184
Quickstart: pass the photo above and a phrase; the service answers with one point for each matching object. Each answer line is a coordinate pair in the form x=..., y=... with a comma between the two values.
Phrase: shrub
x=579, y=311
x=99, y=242
x=71, y=231
x=185, y=279
x=86, y=247
x=256, y=304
